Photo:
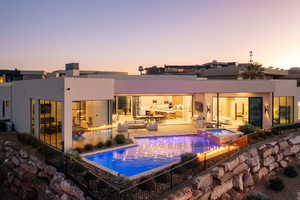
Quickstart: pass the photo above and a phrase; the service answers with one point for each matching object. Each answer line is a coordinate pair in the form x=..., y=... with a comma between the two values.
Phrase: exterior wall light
x=267, y=108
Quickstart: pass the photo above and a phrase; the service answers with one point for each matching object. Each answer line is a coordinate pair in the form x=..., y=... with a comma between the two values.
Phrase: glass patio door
x=256, y=111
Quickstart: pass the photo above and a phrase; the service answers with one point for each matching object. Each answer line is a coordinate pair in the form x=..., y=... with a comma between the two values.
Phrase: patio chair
x=152, y=126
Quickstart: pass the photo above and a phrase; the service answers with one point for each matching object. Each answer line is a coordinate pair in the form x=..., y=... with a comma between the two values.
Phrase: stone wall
x=30, y=178
x=239, y=174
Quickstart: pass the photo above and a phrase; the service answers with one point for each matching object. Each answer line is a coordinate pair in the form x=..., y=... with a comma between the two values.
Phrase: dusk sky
x=123, y=34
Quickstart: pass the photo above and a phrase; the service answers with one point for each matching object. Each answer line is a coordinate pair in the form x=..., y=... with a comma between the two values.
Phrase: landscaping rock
x=253, y=152
x=267, y=152
x=203, y=182
x=230, y=165
x=23, y=154
x=217, y=172
x=254, y=161
x=273, y=166
x=241, y=168
x=248, y=179
x=238, y=182
x=268, y=161
x=262, y=173
x=73, y=191
x=235, y=195
x=295, y=140
x=29, y=167
x=15, y=161
x=283, y=145
x=279, y=156
x=255, y=169
x=283, y=164
x=219, y=190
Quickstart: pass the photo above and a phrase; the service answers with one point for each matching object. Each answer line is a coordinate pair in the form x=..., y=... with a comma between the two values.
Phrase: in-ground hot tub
x=220, y=135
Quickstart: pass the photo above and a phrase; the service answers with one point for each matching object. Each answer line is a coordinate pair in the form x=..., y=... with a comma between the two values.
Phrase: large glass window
x=51, y=123
x=91, y=122
x=283, y=110
x=163, y=109
x=233, y=111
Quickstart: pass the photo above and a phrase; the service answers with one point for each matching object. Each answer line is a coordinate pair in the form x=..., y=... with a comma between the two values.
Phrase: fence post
x=171, y=181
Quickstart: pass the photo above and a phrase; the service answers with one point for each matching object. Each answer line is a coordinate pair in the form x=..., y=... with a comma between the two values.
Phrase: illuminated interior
x=91, y=121
x=283, y=110
x=233, y=111
x=162, y=109
x=2, y=79
x=298, y=110
x=51, y=122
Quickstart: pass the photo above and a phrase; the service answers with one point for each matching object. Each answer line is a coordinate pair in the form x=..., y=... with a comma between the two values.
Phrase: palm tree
x=141, y=69
x=253, y=71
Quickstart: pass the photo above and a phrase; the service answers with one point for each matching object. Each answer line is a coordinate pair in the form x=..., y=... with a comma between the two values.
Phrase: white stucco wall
x=5, y=95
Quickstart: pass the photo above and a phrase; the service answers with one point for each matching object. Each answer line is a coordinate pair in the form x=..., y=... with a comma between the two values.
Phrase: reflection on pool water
x=150, y=153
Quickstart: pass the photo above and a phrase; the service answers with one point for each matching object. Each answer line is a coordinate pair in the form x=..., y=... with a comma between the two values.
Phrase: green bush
x=179, y=170
x=189, y=157
x=100, y=145
x=120, y=139
x=247, y=129
x=89, y=177
x=290, y=172
x=108, y=143
x=148, y=185
x=47, y=151
x=276, y=184
x=88, y=147
x=76, y=167
x=257, y=196
x=79, y=150
x=164, y=178
x=74, y=154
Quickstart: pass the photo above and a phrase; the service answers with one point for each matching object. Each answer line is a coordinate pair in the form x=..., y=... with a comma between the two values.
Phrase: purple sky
x=123, y=34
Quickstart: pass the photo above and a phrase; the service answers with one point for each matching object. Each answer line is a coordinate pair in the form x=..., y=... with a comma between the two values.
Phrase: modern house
x=58, y=110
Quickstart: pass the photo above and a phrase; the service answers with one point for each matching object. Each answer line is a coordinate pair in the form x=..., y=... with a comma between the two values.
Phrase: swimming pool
x=149, y=153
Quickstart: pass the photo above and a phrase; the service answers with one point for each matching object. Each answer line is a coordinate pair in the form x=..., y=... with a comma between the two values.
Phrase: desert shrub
x=121, y=181
x=247, y=129
x=89, y=177
x=108, y=143
x=100, y=145
x=179, y=170
x=290, y=172
x=148, y=185
x=76, y=167
x=120, y=139
x=189, y=157
x=58, y=162
x=79, y=150
x=164, y=178
x=46, y=151
x=257, y=196
x=88, y=147
x=276, y=184
x=74, y=154
x=24, y=138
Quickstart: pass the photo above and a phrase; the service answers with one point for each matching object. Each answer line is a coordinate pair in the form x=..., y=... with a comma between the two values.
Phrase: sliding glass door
x=283, y=110
x=256, y=111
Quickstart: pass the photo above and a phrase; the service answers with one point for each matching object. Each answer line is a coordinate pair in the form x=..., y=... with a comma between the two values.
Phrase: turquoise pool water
x=221, y=131
x=150, y=153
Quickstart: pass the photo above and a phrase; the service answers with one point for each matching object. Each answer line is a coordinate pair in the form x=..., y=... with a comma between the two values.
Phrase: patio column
x=67, y=124
x=36, y=118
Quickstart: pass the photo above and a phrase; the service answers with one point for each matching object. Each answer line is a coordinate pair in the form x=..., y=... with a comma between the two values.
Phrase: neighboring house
x=60, y=110
x=213, y=70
